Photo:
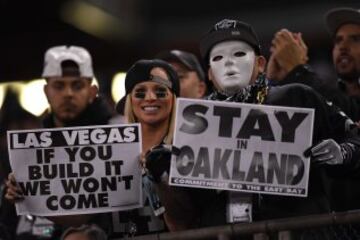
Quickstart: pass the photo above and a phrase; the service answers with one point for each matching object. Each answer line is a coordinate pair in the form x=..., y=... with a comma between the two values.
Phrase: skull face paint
x=232, y=64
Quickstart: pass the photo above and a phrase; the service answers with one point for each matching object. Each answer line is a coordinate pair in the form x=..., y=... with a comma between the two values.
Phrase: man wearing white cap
x=72, y=96
x=73, y=101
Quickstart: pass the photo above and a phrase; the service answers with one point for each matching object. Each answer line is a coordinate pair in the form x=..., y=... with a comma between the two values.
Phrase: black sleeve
x=8, y=218
x=329, y=123
x=343, y=130
x=305, y=75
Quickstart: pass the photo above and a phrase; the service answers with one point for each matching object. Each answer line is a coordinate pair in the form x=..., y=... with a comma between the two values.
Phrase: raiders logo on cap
x=225, y=24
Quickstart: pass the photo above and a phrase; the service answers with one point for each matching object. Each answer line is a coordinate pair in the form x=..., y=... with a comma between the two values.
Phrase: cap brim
x=337, y=17
x=170, y=56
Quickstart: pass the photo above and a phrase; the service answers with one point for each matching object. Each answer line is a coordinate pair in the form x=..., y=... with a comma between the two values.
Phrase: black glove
x=158, y=161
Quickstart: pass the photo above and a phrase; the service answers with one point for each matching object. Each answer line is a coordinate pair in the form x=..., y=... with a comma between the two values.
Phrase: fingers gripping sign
x=13, y=191
x=158, y=160
x=327, y=152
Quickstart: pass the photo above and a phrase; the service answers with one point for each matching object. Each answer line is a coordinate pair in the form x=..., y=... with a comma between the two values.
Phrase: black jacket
x=97, y=113
x=305, y=75
x=329, y=123
x=343, y=192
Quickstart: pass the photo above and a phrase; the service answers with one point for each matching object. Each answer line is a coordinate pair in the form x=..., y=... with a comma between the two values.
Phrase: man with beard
x=73, y=101
x=344, y=24
x=288, y=60
x=288, y=65
x=69, y=90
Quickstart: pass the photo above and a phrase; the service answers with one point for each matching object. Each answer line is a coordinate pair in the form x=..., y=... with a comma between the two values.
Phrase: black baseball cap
x=188, y=59
x=228, y=29
x=140, y=72
x=337, y=17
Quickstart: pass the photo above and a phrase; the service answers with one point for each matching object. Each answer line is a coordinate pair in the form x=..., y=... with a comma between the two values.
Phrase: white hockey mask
x=232, y=64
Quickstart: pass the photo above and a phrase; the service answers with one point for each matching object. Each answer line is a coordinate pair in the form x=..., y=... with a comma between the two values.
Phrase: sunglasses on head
x=158, y=94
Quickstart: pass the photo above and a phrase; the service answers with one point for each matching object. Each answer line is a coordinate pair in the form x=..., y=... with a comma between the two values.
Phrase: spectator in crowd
x=151, y=88
x=193, y=83
x=344, y=26
x=236, y=68
x=73, y=98
x=84, y=232
x=288, y=65
x=73, y=101
x=288, y=60
x=191, y=75
x=12, y=117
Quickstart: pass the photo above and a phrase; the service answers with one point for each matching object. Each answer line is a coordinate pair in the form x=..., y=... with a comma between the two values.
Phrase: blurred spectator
x=288, y=65
x=344, y=26
x=288, y=60
x=84, y=232
x=191, y=75
x=12, y=117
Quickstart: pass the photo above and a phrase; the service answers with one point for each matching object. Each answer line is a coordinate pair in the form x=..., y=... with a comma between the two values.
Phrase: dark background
x=141, y=28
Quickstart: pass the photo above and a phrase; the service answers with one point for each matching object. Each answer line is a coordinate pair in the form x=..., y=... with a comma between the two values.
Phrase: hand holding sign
x=242, y=147
x=327, y=152
x=81, y=170
x=13, y=191
x=158, y=161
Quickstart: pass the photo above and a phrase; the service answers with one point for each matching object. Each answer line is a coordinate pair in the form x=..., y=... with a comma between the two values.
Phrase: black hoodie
x=97, y=113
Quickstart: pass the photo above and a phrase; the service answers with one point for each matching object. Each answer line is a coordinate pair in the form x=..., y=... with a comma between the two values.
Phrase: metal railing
x=260, y=229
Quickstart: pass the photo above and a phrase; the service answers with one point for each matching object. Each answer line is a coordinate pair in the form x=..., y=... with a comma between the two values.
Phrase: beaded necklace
x=255, y=93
